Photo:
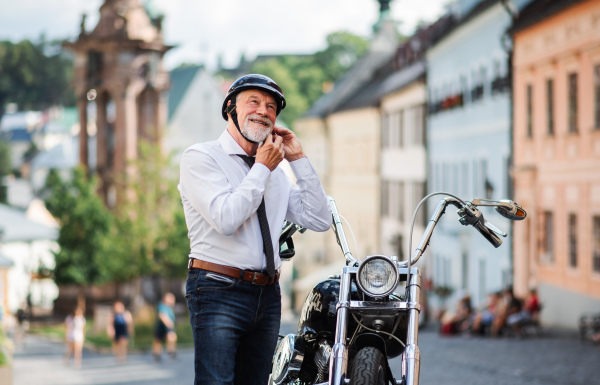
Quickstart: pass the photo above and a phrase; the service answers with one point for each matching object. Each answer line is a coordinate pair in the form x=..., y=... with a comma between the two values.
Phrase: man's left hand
x=291, y=144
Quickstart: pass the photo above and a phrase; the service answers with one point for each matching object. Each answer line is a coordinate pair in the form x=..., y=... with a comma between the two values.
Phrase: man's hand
x=271, y=152
x=291, y=144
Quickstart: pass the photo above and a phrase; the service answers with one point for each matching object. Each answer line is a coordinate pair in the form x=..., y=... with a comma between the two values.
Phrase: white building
x=195, y=100
x=29, y=246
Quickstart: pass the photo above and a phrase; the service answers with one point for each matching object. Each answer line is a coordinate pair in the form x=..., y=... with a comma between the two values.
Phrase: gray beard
x=258, y=134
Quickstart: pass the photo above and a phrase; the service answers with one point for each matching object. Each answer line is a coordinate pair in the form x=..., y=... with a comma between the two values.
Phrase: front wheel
x=368, y=368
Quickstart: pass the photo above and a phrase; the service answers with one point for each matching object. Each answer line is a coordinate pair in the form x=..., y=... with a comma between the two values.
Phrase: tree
x=35, y=76
x=84, y=224
x=304, y=78
x=296, y=102
x=151, y=228
x=343, y=50
x=4, y=168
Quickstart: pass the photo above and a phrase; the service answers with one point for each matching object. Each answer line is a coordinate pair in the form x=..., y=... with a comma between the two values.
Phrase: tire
x=369, y=368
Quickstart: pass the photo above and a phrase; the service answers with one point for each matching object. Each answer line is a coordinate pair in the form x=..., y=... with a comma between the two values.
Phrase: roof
x=474, y=11
x=22, y=119
x=371, y=93
x=63, y=122
x=539, y=10
x=16, y=227
x=17, y=135
x=380, y=52
x=181, y=78
x=64, y=155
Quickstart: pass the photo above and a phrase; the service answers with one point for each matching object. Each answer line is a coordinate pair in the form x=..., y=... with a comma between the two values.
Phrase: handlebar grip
x=488, y=234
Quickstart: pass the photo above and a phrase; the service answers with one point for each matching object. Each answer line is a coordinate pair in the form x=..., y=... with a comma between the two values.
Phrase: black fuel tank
x=319, y=311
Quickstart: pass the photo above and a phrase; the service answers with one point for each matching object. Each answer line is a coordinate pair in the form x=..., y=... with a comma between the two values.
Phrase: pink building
x=556, y=144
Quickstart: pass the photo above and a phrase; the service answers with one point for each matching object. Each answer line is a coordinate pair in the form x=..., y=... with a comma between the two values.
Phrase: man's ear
x=230, y=107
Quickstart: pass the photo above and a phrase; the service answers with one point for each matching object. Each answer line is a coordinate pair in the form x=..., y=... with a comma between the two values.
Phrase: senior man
x=235, y=199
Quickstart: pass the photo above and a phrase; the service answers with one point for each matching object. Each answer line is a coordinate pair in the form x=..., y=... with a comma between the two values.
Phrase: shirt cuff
x=260, y=172
x=302, y=168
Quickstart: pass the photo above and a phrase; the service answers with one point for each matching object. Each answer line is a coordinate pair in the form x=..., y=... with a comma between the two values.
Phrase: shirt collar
x=229, y=145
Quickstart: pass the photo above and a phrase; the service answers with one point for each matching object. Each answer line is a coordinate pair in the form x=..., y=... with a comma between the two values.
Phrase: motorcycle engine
x=322, y=361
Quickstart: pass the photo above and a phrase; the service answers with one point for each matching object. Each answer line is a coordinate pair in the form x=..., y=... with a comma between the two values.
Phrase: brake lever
x=494, y=229
x=470, y=215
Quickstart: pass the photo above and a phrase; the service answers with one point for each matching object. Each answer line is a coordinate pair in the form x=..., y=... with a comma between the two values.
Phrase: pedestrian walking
x=164, y=331
x=75, y=336
x=120, y=330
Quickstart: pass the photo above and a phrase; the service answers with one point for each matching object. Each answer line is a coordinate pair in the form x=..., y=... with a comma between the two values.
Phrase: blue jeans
x=235, y=326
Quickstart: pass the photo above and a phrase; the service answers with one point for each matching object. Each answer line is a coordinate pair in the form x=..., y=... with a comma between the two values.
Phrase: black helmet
x=254, y=81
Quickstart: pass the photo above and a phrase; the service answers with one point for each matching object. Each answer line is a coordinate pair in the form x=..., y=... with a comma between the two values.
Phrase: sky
x=203, y=30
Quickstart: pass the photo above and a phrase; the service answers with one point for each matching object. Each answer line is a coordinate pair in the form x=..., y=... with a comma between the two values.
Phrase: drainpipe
x=507, y=45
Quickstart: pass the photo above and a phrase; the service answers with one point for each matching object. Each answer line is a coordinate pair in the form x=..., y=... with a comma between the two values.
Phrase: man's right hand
x=271, y=152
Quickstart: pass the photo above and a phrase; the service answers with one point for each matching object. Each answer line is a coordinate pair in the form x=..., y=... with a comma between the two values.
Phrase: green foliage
x=296, y=102
x=4, y=168
x=151, y=232
x=343, y=50
x=4, y=158
x=85, y=222
x=305, y=78
x=142, y=337
x=35, y=76
x=4, y=348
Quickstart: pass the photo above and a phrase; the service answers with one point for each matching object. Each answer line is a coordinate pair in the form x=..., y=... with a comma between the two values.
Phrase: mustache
x=260, y=118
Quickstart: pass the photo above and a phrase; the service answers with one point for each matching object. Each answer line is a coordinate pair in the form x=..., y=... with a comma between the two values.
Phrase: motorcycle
x=353, y=323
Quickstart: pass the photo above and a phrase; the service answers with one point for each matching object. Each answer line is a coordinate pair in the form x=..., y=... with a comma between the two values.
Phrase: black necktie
x=264, y=226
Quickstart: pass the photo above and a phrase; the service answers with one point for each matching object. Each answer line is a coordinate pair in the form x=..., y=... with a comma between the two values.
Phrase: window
x=385, y=197
x=392, y=199
x=573, y=240
x=456, y=179
x=94, y=68
x=464, y=88
x=596, y=243
x=597, y=96
x=419, y=129
x=550, y=101
x=486, y=186
x=385, y=127
x=547, y=237
x=391, y=133
x=529, y=111
x=573, y=102
x=419, y=192
x=483, y=80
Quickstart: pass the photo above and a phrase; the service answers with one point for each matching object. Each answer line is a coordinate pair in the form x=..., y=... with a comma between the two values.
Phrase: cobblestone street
x=553, y=358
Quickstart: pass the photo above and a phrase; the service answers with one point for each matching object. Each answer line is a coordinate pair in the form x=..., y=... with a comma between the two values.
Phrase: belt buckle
x=255, y=274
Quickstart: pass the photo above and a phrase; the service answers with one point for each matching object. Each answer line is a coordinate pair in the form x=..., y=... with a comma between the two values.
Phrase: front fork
x=411, y=359
x=338, y=364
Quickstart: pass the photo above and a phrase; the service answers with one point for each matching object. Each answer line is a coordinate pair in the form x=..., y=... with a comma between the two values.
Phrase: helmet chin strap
x=232, y=111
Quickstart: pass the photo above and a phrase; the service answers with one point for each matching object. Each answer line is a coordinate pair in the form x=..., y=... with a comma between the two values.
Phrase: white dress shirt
x=220, y=196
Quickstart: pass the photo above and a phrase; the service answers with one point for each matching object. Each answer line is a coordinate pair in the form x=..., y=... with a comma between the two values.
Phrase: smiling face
x=257, y=111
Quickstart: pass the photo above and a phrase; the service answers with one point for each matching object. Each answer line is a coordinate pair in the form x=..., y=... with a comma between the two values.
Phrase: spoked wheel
x=369, y=368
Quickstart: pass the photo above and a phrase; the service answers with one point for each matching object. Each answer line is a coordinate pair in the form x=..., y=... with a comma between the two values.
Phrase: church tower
x=118, y=66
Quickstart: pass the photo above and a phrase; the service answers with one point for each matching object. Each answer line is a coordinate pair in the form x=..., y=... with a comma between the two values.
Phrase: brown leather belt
x=246, y=275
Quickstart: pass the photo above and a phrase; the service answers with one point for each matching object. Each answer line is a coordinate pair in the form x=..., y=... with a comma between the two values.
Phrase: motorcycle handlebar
x=488, y=234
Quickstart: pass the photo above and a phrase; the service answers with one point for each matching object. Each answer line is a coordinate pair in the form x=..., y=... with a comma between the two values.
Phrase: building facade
x=468, y=142
x=557, y=156
x=341, y=135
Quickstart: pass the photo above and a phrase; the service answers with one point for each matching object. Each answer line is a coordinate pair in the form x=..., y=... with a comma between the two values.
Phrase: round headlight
x=377, y=276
